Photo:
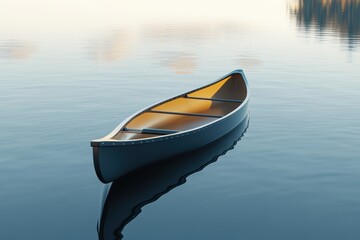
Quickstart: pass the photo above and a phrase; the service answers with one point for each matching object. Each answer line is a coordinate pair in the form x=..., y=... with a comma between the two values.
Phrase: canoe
x=174, y=126
x=123, y=199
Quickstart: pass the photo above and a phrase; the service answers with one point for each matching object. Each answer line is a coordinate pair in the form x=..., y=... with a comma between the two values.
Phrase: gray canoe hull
x=113, y=160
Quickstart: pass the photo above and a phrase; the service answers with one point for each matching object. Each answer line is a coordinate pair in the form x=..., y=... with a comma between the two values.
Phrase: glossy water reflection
x=72, y=70
x=189, y=41
x=113, y=46
x=249, y=62
x=339, y=17
x=181, y=63
x=16, y=49
x=123, y=201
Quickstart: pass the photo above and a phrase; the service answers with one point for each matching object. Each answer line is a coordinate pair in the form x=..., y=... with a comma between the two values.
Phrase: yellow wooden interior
x=230, y=88
x=189, y=105
x=167, y=121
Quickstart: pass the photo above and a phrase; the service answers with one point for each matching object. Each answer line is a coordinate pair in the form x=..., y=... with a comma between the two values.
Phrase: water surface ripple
x=70, y=72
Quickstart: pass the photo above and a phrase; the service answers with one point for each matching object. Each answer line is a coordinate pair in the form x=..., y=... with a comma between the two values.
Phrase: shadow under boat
x=123, y=199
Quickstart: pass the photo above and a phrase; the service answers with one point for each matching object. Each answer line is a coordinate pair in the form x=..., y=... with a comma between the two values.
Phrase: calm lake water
x=71, y=71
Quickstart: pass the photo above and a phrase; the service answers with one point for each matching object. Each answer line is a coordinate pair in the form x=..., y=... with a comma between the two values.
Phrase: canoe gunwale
x=107, y=141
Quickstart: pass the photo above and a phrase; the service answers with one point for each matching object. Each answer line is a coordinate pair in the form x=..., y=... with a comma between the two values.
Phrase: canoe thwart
x=187, y=114
x=214, y=99
x=150, y=131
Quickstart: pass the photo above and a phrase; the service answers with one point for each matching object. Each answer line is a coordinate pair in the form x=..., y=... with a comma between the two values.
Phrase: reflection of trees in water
x=200, y=32
x=16, y=49
x=249, y=62
x=114, y=46
x=182, y=64
x=340, y=16
x=185, y=39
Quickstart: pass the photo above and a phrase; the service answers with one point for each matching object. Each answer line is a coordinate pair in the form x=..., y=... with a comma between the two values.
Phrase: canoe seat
x=150, y=131
x=187, y=114
x=214, y=99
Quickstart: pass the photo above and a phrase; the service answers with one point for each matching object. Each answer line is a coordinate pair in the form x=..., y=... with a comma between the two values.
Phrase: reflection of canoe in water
x=125, y=197
x=172, y=127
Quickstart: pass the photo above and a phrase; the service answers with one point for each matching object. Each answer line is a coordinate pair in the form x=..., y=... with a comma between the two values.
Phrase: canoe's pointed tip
x=96, y=160
x=238, y=71
x=97, y=142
